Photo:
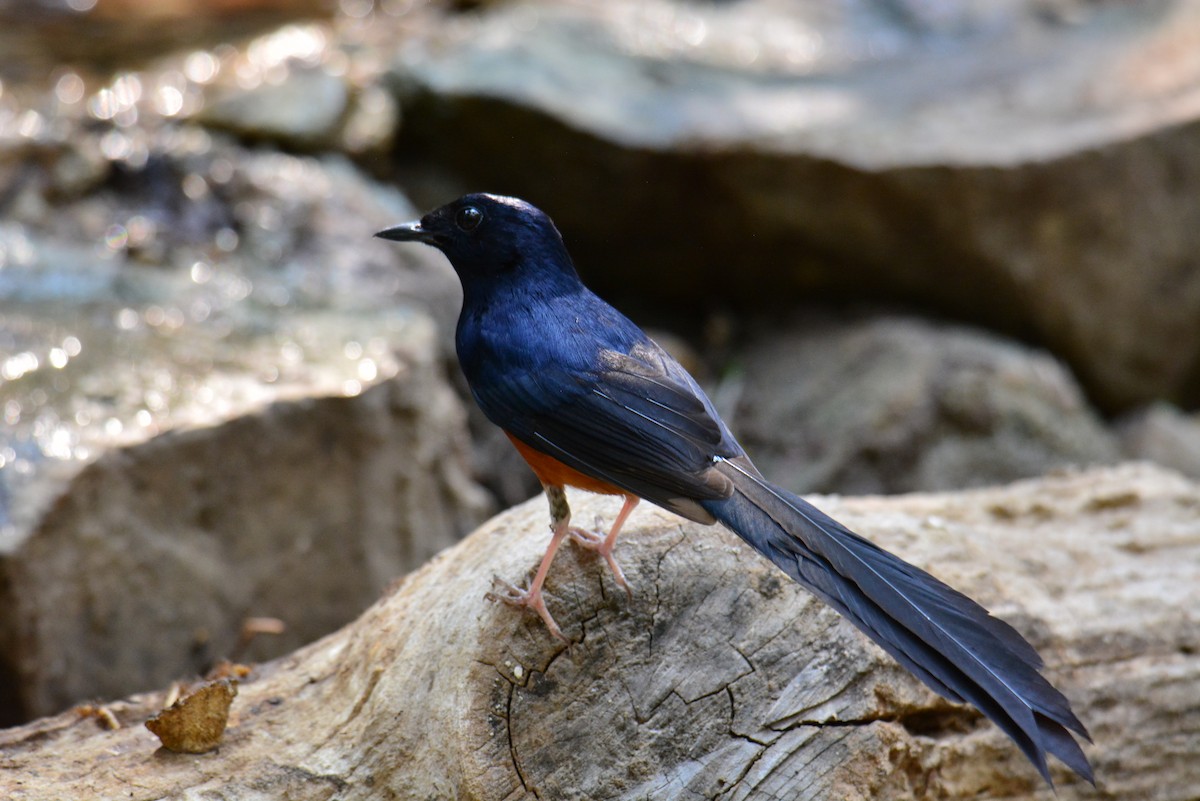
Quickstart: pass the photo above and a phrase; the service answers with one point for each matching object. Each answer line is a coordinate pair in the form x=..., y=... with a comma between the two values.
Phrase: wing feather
x=636, y=420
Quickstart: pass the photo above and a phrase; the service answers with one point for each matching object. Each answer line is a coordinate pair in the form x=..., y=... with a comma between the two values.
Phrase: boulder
x=886, y=403
x=40, y=39
x=307, y=87
x=305, y=109
x=221, y=400
x=718, y=677
x=1162, y=433
x=141, y=561
x=1032, y=167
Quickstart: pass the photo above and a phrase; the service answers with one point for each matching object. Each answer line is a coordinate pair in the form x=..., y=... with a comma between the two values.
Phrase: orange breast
x=551, y=471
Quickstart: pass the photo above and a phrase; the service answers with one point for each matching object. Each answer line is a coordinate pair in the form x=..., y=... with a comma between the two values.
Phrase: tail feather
x=943, y=637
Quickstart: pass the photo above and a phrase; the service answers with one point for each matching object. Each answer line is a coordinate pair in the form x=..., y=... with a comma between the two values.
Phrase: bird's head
x=486, y=237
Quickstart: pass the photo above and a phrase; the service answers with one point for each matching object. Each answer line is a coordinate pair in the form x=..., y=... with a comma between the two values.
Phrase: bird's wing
x=636, y=420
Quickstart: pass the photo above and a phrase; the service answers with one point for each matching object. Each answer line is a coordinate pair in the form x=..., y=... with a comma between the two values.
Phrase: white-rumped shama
x=590, y=401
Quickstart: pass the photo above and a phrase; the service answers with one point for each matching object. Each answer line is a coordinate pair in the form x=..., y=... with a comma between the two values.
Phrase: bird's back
x=569, y=375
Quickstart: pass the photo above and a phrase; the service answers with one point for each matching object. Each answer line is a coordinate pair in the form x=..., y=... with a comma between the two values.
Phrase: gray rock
x=894, y=404
x=1162, y=433
x=221, y=399
x=148, y=559
x=1030, y=165
x=41, y=39
x=304, y=109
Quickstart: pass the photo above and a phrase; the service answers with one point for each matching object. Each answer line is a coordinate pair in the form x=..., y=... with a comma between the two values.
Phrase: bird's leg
x=605, y=544
x=560, y=521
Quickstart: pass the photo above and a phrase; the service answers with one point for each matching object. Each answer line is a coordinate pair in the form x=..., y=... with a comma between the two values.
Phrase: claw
x=560, y=515
x=588, y=539
x=604, y=546
x=531, y=599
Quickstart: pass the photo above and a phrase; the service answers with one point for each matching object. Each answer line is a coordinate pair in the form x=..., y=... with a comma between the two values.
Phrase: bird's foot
x=531, y=599
x=603, y=545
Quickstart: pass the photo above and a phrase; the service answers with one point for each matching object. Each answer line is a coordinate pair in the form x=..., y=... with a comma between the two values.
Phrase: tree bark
x=718, y=678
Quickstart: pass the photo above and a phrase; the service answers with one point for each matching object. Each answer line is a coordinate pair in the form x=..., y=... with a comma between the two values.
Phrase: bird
x=590, y=401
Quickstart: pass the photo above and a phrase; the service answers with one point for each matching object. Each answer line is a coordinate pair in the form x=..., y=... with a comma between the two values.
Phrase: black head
x=489, y=236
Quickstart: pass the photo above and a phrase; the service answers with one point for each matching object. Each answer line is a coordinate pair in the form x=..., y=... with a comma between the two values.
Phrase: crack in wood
x=749, y=766
x=512, y=746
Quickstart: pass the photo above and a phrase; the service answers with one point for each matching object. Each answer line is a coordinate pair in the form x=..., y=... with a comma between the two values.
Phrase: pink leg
x=604, y=545
x=533, y=597
x=560, y=520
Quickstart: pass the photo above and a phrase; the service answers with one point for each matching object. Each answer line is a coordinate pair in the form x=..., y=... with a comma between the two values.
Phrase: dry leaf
x=194, y=724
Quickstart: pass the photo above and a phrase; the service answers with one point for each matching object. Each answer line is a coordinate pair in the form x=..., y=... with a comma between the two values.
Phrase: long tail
x=947, y=640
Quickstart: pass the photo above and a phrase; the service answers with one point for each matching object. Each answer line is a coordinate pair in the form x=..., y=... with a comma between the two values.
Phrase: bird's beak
x=406, y=232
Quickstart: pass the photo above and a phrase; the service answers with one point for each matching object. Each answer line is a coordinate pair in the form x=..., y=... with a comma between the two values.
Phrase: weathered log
x=717, y=679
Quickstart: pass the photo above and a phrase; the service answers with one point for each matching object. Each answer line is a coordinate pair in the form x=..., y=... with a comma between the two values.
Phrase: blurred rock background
x=913, y=245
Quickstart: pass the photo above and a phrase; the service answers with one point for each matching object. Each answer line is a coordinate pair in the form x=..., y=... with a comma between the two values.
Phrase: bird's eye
x=468, y=218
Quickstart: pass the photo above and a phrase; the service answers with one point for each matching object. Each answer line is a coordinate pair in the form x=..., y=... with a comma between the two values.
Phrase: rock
x=146, y=561
x=287, y=229
x=304, y=109
x=38, y=39
x=1163, y=434
x=979, y=160
x=294, y=86
x=878, y=404
x=221, y=399
x=717, y=678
